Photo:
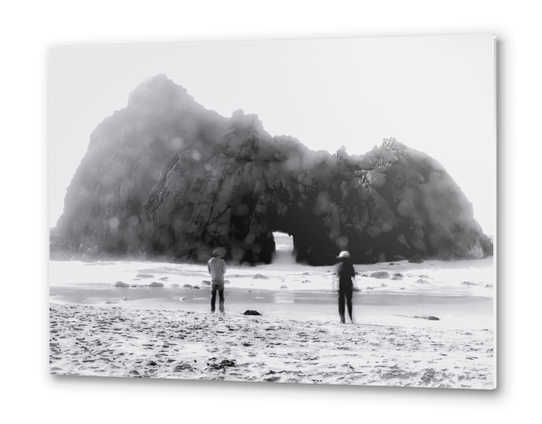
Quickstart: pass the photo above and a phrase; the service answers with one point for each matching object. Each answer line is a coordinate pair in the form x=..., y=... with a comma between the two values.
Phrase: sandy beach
x=416, y=325
x=125, y=342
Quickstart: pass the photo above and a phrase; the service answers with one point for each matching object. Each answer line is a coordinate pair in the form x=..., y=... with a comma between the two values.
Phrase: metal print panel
x=303, y=211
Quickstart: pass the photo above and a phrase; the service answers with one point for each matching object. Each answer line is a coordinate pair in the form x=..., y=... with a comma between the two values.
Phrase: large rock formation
x=166, y=178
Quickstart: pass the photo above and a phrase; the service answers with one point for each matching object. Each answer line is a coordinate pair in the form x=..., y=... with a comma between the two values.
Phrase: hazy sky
x=434, y=94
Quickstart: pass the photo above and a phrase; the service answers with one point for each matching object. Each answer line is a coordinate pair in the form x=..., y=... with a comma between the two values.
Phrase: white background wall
x=29, y=29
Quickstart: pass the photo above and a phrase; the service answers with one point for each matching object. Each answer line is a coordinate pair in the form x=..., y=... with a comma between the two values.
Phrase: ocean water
x=442, y=278
x=460, y=293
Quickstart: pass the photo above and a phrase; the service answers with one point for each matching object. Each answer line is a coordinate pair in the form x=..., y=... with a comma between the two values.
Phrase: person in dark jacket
x=345, y=273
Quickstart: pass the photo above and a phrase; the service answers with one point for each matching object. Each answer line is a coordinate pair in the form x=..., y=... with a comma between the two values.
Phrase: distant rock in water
x=156, y=284
x=417, y=258
x=380, y=274
x=165, y=178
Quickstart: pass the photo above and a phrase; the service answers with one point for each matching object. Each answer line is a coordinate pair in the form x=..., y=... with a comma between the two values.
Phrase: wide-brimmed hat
x=344, y=254
x=215, y=253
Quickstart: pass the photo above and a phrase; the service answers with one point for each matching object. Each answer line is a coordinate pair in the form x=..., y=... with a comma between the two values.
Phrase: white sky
x=434, y=94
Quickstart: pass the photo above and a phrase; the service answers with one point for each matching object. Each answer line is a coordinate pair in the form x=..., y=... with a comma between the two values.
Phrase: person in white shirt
x=217, y=269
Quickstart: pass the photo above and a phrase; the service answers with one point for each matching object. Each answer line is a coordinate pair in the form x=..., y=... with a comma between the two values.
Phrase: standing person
x=345, y=273
x=217, y=269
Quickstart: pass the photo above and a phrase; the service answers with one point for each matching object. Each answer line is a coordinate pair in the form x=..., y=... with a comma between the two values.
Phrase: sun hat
x=344, y=254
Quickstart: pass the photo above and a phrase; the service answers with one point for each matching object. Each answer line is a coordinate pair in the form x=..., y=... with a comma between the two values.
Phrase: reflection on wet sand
x=284, y=297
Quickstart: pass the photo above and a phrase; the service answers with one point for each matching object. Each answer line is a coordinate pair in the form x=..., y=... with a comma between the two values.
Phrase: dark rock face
x=166, y=178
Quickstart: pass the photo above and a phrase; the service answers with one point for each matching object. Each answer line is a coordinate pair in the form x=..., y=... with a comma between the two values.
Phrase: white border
x=30, y=28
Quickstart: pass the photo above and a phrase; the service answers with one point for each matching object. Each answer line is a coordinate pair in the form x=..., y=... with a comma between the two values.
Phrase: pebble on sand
x=183, y=366
x=430, y=317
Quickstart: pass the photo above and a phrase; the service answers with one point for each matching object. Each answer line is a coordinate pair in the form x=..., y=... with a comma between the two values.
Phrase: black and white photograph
x=312, y=211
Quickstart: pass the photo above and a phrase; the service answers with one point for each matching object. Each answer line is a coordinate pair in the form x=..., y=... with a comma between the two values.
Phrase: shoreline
x=453, y=312
x=460, y=277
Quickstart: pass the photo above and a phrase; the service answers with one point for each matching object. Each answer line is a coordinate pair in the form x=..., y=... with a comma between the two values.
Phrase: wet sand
x=370, y=308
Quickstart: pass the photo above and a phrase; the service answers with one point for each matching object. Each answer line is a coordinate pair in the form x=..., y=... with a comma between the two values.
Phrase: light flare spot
x=176, y=143
x=114, y=223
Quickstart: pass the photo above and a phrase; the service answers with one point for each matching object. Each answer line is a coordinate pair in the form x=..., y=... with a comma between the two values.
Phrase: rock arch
x=167, y=178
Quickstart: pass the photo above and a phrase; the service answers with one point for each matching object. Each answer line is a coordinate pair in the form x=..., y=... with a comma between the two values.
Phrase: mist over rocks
x=166, y=178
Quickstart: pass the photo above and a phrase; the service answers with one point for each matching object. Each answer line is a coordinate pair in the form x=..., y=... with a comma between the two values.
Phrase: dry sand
x=158, y=343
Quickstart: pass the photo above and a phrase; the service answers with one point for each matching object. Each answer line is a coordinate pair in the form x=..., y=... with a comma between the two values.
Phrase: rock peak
x=157, y=90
